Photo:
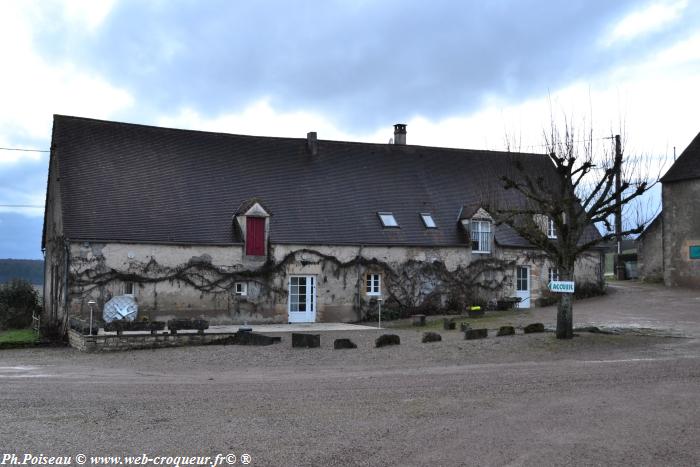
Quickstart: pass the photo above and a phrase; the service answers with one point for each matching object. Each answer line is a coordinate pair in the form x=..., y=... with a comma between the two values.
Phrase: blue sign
x=695, y=252
x=562, y=286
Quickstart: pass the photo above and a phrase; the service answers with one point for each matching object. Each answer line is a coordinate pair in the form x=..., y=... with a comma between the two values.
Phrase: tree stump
x=464, y=327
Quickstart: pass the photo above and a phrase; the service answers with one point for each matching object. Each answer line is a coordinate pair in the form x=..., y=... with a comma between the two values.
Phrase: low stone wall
x=112, y=343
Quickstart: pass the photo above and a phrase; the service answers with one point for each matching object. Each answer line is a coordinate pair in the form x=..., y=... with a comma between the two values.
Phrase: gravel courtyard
x=517, y=400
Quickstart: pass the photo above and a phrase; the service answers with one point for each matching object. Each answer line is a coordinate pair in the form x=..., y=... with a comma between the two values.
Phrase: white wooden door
x=302, y=299
x=522, y=286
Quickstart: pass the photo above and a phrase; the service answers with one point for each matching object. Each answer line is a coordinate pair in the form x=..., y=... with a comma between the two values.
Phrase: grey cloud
x=16, y=231
x=23, y=180
x=362, y=64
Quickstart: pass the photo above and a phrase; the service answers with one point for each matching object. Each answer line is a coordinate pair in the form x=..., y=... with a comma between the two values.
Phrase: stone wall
x=681, y=230
x=114, y=343
x=55, y=288
x=650, y=258
x=173, y=281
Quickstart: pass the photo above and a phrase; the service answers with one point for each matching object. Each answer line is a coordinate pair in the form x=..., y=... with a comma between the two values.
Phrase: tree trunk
x=565, y=321
x=565, y=312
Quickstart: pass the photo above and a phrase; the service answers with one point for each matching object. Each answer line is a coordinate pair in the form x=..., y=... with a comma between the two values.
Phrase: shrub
x=548, y=298
x=18, y=302
x=589, y=289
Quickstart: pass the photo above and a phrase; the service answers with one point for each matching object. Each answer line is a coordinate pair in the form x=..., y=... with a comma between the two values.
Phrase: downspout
x=43, y=288
x=663, y=236
x=359, y=286
x=66, y=246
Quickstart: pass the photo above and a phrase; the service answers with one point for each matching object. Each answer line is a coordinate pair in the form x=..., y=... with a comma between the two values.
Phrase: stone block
x=308, y=341
x=387, y=339
x=431, y=337
x=418, y=320
x=471, y=334
x=344, y=344
x=534, y=327
x=448, y=324
x=248, y=338
x=506, y=331
x=175, y=325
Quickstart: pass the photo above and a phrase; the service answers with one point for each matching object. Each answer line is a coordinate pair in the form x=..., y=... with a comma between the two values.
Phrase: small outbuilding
x=669, y=248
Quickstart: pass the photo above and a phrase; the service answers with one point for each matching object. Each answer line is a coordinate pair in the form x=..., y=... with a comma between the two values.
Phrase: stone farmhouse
x=669, y=248
x=239, y=229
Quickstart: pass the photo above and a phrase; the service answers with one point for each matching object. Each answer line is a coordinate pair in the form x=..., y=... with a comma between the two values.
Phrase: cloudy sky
x=459, y=73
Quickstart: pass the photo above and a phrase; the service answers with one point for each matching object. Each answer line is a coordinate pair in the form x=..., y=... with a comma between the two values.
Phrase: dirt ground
x=517, y=400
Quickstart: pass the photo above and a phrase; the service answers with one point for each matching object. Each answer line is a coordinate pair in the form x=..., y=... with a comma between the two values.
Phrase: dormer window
x=551, y=229
x=481, y=236
x=387, y=219
x=255, y=236
x=253, y=222
x=428, y=221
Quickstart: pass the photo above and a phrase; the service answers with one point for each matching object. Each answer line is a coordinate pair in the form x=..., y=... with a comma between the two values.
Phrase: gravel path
x=518, y=400
x=527, y=400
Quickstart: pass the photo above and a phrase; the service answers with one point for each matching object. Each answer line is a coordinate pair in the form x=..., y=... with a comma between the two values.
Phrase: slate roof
x=137, y=183
x=687, y=166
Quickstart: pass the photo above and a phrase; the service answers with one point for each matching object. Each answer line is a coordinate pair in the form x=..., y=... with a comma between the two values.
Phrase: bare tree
x=558, y=209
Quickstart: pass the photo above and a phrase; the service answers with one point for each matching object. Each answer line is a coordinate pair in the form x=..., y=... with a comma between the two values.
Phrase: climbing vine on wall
x=410, y=286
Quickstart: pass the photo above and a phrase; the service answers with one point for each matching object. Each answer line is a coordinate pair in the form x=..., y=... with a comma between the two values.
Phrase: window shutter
x=255, y=236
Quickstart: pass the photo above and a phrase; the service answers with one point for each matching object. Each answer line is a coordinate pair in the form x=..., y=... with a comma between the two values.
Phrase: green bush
x=18, y=302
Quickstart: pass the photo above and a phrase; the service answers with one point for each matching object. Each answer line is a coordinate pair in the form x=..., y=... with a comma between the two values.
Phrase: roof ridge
x=290, y=138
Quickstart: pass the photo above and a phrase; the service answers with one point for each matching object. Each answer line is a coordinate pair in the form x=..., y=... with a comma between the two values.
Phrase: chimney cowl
x=400, y=133
x=312, y=143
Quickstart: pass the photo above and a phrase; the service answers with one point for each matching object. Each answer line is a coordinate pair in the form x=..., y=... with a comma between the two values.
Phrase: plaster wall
x=340, y=278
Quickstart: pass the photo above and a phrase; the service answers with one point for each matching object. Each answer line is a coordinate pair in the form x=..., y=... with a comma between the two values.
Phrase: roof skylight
x=428, y=220
x=388, y=219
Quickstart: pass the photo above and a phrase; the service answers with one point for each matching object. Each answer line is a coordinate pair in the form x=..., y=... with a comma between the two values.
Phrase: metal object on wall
x=120, y=307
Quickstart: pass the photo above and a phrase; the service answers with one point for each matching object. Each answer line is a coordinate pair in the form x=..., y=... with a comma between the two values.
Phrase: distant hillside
x=31, y=270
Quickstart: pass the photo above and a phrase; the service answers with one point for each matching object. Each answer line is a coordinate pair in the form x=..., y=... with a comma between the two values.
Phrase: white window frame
x=373, y=284
x=388, y=220
x=241, y=289
x=553, y=274
x=428, y=220
x=480, y=235
x=551, y=229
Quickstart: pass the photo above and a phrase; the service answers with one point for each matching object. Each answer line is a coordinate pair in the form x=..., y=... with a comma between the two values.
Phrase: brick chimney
x=400, y=133
x=312, y=143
